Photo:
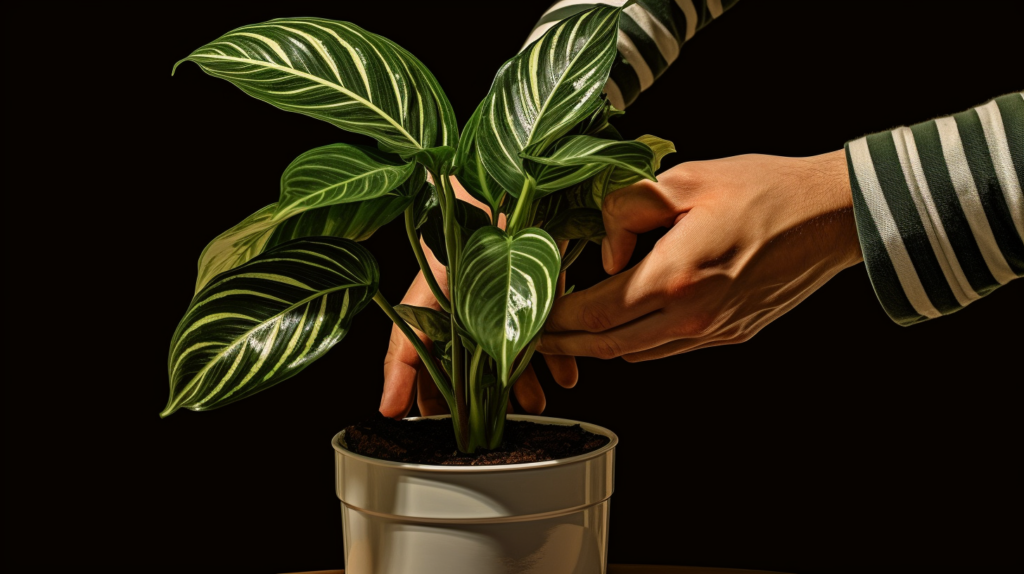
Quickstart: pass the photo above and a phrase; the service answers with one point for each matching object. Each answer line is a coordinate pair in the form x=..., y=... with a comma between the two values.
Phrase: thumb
x=632, y=210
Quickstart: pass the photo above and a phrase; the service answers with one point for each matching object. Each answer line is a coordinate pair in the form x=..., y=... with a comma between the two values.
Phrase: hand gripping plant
x=278, y=290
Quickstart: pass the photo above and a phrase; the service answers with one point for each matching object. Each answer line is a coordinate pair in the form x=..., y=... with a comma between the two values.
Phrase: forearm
x=939, y=208
x=651, y=33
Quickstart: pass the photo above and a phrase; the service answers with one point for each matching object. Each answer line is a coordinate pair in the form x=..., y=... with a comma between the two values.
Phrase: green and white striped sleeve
x=650, y=34
x=939, y=208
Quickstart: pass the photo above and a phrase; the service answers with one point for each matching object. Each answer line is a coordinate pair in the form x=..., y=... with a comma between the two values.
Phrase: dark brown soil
x=432, y=441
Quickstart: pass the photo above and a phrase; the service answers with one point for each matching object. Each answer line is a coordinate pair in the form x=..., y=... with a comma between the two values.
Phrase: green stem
x=524, y=207
x=421, y=259
x=453, y=245
x=477, y=411
x=461, y=432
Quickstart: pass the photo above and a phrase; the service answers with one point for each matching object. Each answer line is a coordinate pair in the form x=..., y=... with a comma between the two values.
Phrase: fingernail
x=606, y=255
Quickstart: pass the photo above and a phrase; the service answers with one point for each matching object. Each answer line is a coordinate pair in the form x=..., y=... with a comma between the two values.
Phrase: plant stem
x=453, y=245
x=421, y=259
x=436, y=373
x=524, y=207
x=570, y=257
x=461, y=432
x=477, y=412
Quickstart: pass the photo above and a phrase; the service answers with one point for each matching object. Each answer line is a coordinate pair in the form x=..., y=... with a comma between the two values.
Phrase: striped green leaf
x=540, y=94
x=576, y=158
x=339, y=73
x=266, y=320
x=262, y=230
x=505, y=289
x=338, y=173
x=617, y=177
x=470, y=168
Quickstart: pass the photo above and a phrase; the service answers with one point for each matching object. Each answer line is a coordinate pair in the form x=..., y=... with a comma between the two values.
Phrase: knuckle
x=688, y=175
x=605, y=348
x=594, y=318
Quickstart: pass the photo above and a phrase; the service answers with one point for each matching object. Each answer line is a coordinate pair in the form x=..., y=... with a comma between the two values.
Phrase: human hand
x=407, y=379
x=751, y=237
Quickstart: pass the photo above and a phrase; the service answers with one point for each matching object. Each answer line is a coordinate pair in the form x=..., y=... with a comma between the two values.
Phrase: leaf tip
x=176, y=64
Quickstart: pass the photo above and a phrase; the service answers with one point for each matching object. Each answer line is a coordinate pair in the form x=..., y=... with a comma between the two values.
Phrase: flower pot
x=538, y=518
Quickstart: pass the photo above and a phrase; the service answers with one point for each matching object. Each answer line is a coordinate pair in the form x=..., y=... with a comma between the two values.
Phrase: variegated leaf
x=549, y=87
x=576, y=158
x=505, y=289
x=339, y=73
x=266, y=320
x=261, y=230
x=469, y=167
x=338, y=173
x=617, y=177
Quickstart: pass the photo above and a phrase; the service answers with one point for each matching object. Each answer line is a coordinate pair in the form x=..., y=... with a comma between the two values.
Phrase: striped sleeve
x=650, y=34
x=939, y=208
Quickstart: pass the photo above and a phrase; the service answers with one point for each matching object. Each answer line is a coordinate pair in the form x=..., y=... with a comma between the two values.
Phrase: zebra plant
x=278, y=290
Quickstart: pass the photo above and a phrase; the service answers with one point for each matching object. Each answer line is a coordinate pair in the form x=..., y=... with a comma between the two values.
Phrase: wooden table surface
x=634, y=569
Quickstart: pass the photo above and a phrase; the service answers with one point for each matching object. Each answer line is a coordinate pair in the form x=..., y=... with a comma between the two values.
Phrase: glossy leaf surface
x=470, y=168
x=576, y=158
x=339, y=73
x=505, y=289
x=435, y=324
x=338, y=173
x=265, y=321
x=545, y=90
x=617, y=177
x=260, y=231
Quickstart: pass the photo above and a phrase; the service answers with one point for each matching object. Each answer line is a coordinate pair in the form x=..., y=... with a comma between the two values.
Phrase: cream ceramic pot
x=538, y=518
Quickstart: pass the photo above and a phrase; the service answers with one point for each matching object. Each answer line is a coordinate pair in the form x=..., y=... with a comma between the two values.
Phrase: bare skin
x=406, y=380
x=750, y=238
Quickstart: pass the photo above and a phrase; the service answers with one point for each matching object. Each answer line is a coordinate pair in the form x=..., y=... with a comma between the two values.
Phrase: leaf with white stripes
x=576, y=158
x=262, y=230
x=506, y=286
x=549, y=87
x=338, y=173
x=617, y=177
x=339, y=73
x=469, y=167
x=265, y=321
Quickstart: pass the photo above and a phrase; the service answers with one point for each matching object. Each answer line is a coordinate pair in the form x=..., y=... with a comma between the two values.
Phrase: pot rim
x=596, y=429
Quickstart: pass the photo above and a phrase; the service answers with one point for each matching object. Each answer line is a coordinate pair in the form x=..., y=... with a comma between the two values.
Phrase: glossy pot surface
x=538, y=518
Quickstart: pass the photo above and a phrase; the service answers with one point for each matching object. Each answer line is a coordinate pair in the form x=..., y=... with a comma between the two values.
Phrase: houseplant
x=278, y=290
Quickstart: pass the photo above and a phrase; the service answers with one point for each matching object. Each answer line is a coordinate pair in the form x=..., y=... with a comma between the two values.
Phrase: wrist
x=834, y=194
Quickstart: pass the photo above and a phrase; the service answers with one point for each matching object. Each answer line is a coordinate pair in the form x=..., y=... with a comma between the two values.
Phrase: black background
x=833, y=442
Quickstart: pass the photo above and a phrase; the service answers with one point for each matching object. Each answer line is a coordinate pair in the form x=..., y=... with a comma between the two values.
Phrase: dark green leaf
x=470, y=168
x=425, y=201
x=435, y=324
x=339, y=73
x=545, y=90
x=266, y=320
x=574, y=159
x=468, y=217
x=577, y=223
x=338, y=173
x=506, y=286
